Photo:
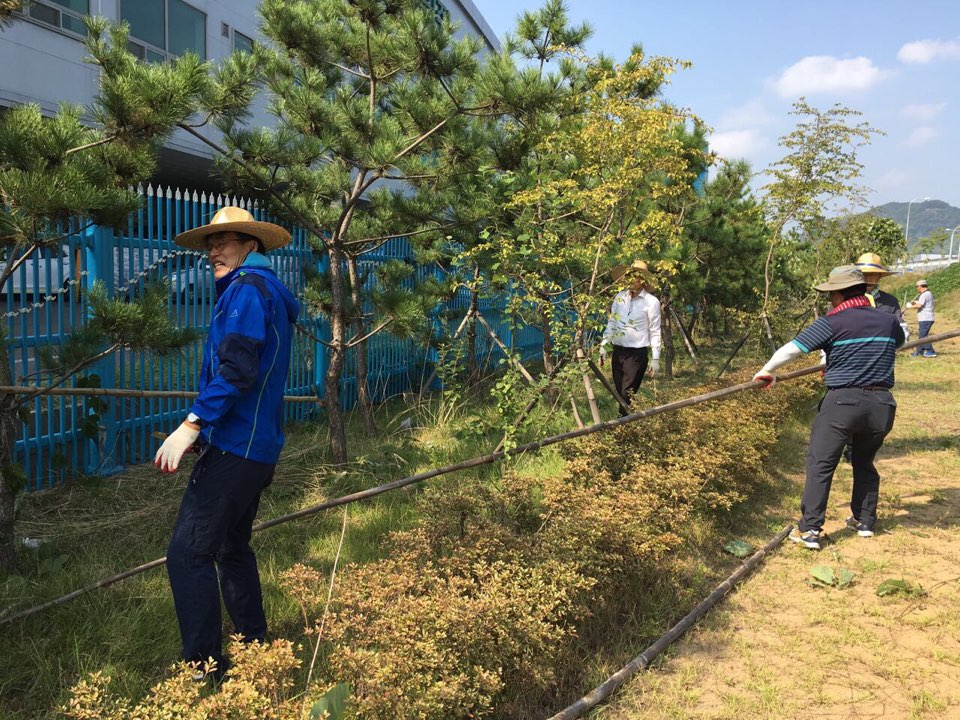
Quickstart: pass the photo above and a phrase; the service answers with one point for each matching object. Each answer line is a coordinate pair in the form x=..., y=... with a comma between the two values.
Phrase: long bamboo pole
x=465, y=465
x=643, y=660
x=126, y=392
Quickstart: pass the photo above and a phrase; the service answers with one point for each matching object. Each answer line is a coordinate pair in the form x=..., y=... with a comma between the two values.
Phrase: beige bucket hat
x=841, y=278
x=234, y=219
x=636, y=266
x=871, y=263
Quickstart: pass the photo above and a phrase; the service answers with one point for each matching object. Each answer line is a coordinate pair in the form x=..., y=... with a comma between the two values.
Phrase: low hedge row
x=482, y=602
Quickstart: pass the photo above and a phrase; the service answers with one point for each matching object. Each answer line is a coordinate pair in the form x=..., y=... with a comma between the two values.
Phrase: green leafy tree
x=819, y=172
x=935, y=242
x=606, y=185
x=57, y=173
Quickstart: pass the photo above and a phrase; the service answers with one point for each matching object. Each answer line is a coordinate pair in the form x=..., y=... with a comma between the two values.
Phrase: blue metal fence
x=43, y=301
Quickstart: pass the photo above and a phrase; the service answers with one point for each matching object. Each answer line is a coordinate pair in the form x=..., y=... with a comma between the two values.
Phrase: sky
x=897, y=62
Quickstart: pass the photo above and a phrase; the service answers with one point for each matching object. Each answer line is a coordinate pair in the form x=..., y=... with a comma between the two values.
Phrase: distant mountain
x=925, y=217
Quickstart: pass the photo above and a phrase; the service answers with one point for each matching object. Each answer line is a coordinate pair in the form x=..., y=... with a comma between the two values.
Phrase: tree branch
x=273, y=192
x=378, y=328
x=103, y=141
x=66, y=376
x=396, y=235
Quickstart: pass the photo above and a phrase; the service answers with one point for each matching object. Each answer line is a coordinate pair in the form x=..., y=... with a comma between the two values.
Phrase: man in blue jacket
x=238, y=422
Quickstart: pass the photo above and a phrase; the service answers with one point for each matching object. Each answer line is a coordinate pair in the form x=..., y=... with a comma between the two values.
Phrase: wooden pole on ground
x=643, y=660
x=588, y=387
x=607, y=384
x=687, y=341
x=467, y=464
x=733, y=354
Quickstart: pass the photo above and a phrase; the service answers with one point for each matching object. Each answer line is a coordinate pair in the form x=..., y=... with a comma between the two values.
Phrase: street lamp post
x=950, y=254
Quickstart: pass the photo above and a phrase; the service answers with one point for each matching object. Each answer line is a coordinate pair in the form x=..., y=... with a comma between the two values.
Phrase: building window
x=242, y=43
x=160, y=29
x=439, y=10
x=63, y=14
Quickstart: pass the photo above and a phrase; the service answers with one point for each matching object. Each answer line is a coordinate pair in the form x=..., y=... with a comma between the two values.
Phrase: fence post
x=323, y=332
x=99, y=261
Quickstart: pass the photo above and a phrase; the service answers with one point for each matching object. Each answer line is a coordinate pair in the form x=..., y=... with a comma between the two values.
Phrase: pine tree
x=57, y=173
x=376, y=104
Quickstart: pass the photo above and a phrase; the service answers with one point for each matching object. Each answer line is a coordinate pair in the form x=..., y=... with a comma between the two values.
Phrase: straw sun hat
x=235, y=219
x=637, y=266
x=871, y=263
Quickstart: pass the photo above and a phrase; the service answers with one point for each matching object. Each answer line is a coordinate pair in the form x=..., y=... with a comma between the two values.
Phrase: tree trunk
x=471, y=341
x=547, y=341
x=360, y=351
x=331, y=391
x=768, y=332
x=666, y=329
x=8, y=491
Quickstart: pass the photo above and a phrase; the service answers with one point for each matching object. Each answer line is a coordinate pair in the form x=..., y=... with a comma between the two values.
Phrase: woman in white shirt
x=633, y=331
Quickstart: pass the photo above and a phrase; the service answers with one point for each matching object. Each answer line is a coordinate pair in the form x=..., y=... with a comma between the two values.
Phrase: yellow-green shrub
x=259, y=685
x=422, y=637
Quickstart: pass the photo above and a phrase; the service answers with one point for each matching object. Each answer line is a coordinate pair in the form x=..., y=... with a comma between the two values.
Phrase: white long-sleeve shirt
x=634, y=322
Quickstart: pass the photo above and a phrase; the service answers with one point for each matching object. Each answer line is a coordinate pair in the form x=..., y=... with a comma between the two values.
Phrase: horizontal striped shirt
x=860, y=344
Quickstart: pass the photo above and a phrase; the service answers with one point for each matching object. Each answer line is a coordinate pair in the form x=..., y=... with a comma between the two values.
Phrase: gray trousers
x=857, y=417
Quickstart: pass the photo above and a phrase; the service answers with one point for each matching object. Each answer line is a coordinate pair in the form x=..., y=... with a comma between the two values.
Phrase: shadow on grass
x=902, y=446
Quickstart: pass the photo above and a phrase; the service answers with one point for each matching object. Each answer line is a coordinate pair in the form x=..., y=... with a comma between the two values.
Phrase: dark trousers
x=210, y=553
x=925, y=326
x=847, y=416
x=629, y=364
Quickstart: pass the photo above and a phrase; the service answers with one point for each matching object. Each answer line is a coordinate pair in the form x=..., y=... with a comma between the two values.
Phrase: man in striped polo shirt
x=860, y=342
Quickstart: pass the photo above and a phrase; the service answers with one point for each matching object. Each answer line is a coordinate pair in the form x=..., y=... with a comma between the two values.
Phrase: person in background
x=238, y=421
x=925, y=317
x=633, y=331
x=858, y=409
x=873, y=271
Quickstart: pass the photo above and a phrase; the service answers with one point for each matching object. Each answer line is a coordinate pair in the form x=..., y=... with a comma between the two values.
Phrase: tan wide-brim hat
x=234, y=219
x=841, y=278
x=871, y=263
x=637, y=266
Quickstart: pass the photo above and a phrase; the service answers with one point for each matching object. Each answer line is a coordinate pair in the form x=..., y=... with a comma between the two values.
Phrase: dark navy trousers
x=924, y=329
x=628, y=365
x=857, y=417
x=210, y=553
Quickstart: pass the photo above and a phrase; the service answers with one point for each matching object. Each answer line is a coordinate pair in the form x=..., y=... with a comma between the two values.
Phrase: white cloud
x=823, y=73
x=923, y=113
x=891, y=181
x=751, y=114
x=920, y=136
x=925, y=51
x=737, y=144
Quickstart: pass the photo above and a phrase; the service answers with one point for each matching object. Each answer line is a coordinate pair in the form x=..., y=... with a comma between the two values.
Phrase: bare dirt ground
x=782, y=646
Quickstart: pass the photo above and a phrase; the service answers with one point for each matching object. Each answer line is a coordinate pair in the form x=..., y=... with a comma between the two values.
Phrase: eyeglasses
x=220, y=243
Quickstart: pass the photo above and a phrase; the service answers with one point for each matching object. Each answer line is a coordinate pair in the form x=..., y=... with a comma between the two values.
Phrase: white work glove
x=769, y=378
x=906, y=332
x=173, y=448
x=654, y=366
